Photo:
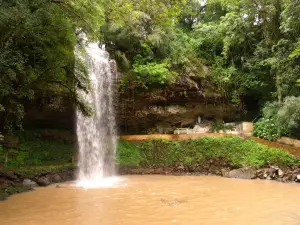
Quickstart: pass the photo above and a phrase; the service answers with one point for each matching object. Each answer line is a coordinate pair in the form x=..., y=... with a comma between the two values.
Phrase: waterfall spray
x=97, y=134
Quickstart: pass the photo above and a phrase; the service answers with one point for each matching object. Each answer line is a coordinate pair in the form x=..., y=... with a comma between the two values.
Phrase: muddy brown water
x=159, y=200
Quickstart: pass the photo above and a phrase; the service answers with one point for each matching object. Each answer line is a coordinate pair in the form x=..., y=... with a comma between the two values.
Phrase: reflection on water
x=158, y=200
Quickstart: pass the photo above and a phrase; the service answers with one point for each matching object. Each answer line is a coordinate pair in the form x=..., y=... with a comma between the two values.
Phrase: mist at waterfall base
x=97, y=134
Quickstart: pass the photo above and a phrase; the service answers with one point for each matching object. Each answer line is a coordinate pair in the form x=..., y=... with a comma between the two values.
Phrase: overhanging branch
x=68, y=8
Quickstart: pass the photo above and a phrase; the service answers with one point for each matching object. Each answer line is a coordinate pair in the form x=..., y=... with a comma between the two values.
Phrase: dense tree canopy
x=251, y=47
x=240, y=48
x=37, y=52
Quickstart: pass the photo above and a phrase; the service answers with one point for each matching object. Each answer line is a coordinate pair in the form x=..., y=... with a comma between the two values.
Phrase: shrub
x=128, y=154
x=41, y=152
x=35, y=151
x=266, y=129
x=217, y=127
x=289, y=114
x=160, y=152
x=279, y=119
x=233, y=150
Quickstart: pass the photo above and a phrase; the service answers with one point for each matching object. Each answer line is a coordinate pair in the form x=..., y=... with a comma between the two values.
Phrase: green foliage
x=266, y=129
x=21, y=172
x=157, y=73
x=279, y=119
x=182, y=48
x=35, y=151
x=217, y=127
x=296, y=52
x=149, y=49
x=233, y=150
x=236, y=48
x=209, y=38
x=8, y=189
x=33, y=171
x=288, y=114
x=128, y=154
x=248, y=47
x=160, y=152
x=160, y=12
x=37, y=44
x=272, y=156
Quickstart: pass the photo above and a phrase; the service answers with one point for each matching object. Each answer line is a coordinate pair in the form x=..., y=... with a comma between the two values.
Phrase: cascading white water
x=97, y=134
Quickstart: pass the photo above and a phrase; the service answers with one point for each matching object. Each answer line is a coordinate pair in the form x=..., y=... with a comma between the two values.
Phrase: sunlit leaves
x=157, y=73
x=296, y=52
x=84, y=14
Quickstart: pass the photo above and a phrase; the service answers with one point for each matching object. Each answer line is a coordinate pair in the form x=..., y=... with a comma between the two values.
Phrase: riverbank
x=13, y=182
x=286, y=144
x=227, y=156
x=17, y=180
x=288, y=174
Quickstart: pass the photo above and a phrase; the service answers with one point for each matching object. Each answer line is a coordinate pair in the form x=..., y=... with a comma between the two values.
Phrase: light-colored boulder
x=30, y=183
x=242, y=173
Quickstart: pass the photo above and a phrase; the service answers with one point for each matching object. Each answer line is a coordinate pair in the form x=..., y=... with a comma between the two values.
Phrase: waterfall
x=97, y=134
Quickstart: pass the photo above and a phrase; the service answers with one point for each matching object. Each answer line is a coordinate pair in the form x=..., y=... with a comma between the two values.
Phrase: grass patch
x=9, y=189
x=34, y=171
x=33, y=150
x=31, y=172
x=234, y=150
x=128, y=154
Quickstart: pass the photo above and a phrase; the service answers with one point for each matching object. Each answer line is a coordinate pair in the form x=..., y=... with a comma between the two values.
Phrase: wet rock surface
x=56, y=178
x=29, y=183
x=44, y=181
x=16, y=182
x=219, y=168
x=242, y=173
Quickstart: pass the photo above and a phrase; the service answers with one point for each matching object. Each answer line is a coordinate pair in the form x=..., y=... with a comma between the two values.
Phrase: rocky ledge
x=26, y=179
x=12, y=182
x=286, y=174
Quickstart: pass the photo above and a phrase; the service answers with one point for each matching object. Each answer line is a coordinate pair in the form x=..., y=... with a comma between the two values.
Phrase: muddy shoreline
x=14, y=182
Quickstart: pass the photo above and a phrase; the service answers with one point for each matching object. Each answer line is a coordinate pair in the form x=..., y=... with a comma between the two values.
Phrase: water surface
x=159, y=200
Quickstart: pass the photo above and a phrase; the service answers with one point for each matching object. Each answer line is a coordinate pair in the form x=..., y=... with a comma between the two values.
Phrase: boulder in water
x=44, y=181
x=242, y=173
x=56, y=178
x=29, y=183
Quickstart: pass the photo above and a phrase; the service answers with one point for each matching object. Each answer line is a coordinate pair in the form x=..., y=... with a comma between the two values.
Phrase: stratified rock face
x=51, y=118
x=158, y=110
x=179, y=105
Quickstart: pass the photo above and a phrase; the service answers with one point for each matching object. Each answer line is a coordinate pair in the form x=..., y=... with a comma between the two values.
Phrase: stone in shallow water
x=242, y=173
x=29, y=183
x=56, y=178
x=44, y=181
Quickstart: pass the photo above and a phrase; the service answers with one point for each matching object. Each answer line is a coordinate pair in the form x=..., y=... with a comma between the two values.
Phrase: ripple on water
x=177, y=200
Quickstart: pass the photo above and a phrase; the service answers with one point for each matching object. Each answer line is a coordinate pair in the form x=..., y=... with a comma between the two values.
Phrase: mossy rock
x=7, y=190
